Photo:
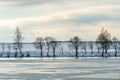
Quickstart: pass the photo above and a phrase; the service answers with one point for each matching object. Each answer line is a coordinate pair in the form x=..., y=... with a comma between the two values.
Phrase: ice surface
x=60, y=68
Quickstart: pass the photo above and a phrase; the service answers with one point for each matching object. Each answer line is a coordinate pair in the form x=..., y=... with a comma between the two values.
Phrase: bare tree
x=91, y=44
x=62, y=50
x=84, y=47
x=39, y=43
x=98, y=46
x=9, y=48
x=48, y=41
x=115, y=44
x=75, y=43
x=16, y=50
x=54, y=45
x=18, y=38
x=104, y=39
x=3, y=48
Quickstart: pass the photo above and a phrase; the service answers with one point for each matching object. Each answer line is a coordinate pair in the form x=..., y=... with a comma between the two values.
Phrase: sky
x=61, y=19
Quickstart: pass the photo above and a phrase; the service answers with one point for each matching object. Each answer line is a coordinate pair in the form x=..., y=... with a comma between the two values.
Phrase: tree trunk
x=20, y=51
x=102, y=52
x=85, y=51
x=115, y=52
x=98, y=50
x=76, y=52
x=41, y=52
x=48, y=52
x=54, y=52
x=106, y=51
x=91, y=51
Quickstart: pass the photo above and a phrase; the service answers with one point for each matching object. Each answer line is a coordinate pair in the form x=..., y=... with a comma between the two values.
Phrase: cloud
x=4, y=4
x=77, y=16
x=86, y=31
x=57, y=2
x=36, y=2
x=85, y=22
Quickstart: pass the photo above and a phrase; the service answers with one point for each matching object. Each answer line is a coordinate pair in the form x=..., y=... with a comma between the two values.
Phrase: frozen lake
x=59, y=69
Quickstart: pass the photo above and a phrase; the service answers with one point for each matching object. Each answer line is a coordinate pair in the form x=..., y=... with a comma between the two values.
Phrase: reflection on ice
x=60, y=69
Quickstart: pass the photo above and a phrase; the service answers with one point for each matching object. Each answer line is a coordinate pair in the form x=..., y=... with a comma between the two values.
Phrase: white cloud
x=86, y=31
x=108, y=11
x=7, y=4
x=85, y=22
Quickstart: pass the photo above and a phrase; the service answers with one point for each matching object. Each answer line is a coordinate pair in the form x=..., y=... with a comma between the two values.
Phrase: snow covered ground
x=60, y=68
x=62, y=50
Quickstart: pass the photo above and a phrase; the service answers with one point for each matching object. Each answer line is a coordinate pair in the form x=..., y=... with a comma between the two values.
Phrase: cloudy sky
x=61, y=19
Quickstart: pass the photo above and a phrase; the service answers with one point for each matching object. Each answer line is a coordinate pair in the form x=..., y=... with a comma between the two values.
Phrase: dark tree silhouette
x=39, y=43
x=104, y=39
x=54, y=45
x=18, y=38
x=75, y=43
x=115, y=44
x=48, y=44
x=91, y=44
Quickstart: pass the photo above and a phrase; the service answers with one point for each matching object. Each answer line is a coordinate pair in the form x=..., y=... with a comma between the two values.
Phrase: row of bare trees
x=50, y=42
x=104, y=41
x=103, y=44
